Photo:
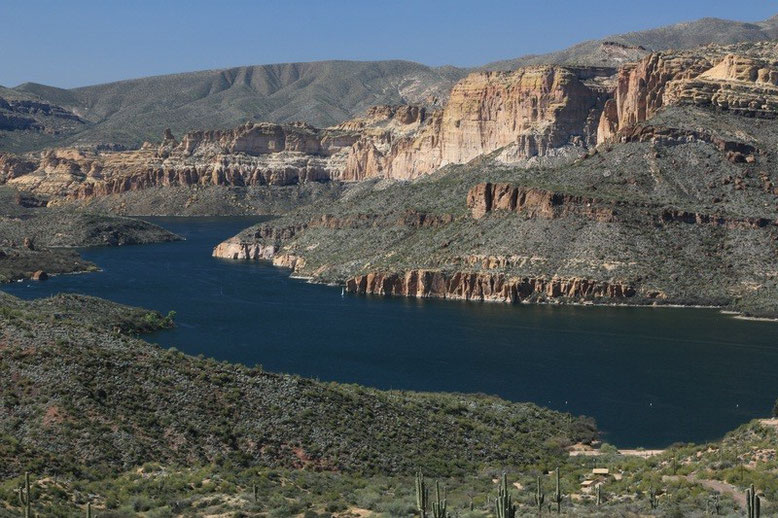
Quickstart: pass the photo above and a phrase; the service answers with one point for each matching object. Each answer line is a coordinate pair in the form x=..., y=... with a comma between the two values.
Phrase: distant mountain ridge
x=633, y=45
x=321, y=93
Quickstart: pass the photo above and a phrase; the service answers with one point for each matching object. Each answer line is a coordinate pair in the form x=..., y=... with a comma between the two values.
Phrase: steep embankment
x=118, y=401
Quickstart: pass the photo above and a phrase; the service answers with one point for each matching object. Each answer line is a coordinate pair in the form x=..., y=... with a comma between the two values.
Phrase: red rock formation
x=484, y=286
x=534, y=202
x=540, y=203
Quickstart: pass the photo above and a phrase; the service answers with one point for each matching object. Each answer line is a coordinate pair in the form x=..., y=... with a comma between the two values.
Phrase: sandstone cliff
x=532, y=112
x=535, y=111
x=484, y=286
x=741, y=78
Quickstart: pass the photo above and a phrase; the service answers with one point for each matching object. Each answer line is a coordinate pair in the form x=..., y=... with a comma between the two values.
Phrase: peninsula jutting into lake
x=347, y=288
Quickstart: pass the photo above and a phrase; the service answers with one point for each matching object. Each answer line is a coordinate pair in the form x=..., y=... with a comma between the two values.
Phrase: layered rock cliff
x=535, y=110
x=534, y=202
x=542, y=203
x=741, y=78
x=484, y=286
x=529, y=113
x=253, y=154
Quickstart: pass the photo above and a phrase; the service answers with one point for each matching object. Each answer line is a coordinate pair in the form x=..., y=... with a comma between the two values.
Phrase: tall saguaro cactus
x=422, y=495
x=25, y=496
x=439, y=505
x=540, y=497
x=504, y=503
x=558, y=494
x=89, y=510
x=598, y=494
x=753, y=503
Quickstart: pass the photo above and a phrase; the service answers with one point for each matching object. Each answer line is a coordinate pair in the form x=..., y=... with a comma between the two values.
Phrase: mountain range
x=126, y=113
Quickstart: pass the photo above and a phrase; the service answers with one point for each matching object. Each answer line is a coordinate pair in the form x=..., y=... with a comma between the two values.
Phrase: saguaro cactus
x=255, y=491
x=558, y=494
x=598, y=494
x=652, y=498
x=504, y=502
x=439, y=505
x=25, y=496
x=540, y=497
x=753, y=503
x=422, y=495
x=89, y=510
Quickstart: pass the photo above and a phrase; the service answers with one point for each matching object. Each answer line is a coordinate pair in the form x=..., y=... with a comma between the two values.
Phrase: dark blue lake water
x=650, y=376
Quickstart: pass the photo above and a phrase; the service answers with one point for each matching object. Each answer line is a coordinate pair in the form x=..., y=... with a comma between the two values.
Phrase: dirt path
x=721, y=487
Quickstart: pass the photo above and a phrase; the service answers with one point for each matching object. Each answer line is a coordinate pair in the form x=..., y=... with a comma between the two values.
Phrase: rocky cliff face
x=252, y=154
x=534, y=110
x=542, y=203
x=484, y=286
x=533, y=202
x=539, y=111
x=742, y=78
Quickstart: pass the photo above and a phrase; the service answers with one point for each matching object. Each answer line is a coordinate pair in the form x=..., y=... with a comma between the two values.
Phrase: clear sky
x=70, y=43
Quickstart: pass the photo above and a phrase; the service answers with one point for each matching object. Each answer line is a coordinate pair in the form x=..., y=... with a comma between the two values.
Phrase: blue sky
x=75, y=43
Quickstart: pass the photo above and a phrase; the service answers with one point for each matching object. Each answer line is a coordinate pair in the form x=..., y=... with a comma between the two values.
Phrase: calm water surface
x=649, y=376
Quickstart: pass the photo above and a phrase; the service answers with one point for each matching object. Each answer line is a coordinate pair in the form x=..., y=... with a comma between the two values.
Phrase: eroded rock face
x=740, y=78
x=484, y=286
x=541, y=203
x=236, y=250
x=554, y=112
x=535, y=109
x=252, y=154
x=533, y=202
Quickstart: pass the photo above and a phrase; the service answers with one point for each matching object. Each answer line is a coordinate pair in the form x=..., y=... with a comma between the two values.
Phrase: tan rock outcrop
x=236, y=250
x=738, y=78
x=536, y=107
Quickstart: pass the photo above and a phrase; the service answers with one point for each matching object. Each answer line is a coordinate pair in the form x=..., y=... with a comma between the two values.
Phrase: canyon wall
x=495, y=287
x=538, y=111
x=535, y=109
x=741, y=78
x=533, y=202
x=484, y=198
